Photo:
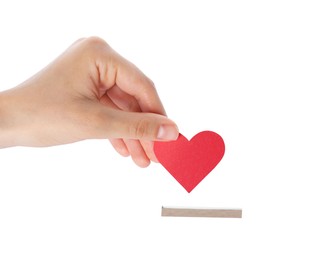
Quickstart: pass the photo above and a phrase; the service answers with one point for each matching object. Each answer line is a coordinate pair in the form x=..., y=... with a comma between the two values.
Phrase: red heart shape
x=189, y=162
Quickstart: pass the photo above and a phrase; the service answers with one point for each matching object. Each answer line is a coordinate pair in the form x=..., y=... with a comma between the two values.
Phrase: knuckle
x=141, y=129
x=147, y=82
x=152, y=84
x=95, y=40
x=79, y=40
x=152, y=88
x=94, y=44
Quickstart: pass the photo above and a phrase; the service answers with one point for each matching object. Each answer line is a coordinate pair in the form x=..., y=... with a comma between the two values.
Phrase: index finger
x=134, y=82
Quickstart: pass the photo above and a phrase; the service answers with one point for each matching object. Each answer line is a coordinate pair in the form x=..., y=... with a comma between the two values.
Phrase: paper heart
x=189, y=162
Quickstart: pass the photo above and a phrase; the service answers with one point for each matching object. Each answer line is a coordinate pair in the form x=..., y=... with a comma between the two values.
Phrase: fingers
x=120, y=147
x=112, y=69
x=131, y=90
x=128, y=103
x=135, y=125
x=123, y=100
x=140, y=118
x=132, y=81
x=148, y=147
x=137, y=152
x=116, y=70
x=141, y=151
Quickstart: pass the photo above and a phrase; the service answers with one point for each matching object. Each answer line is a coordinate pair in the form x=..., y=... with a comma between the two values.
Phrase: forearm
x=8, y=129
x=4, y=127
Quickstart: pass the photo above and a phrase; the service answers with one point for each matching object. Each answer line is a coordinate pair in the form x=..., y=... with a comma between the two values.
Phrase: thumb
x=144, y=126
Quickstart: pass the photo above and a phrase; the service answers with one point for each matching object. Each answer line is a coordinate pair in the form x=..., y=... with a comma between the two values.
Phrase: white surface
x=240, y=68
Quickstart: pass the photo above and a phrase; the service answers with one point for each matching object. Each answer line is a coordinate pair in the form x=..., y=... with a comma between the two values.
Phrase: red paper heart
x=189, y=162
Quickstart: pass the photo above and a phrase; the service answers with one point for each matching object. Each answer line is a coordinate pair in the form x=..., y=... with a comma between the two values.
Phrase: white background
x=239, y=68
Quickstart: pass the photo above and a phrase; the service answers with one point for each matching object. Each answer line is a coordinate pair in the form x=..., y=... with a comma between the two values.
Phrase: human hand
x=88, y=92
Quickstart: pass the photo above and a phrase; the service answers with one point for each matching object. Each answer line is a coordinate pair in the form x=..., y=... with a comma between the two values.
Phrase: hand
x=88, y=92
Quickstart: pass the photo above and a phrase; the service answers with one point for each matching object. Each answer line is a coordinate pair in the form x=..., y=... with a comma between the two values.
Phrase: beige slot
x=200, y=212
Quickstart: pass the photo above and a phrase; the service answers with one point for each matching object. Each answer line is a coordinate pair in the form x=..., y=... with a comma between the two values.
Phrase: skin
x=88, y=92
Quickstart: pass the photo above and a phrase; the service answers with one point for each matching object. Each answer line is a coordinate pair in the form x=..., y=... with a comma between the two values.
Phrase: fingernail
x=167, y=132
